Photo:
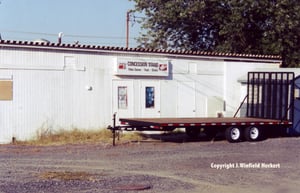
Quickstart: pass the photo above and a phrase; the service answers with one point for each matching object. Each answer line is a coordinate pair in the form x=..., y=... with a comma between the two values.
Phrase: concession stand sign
x=141, y=67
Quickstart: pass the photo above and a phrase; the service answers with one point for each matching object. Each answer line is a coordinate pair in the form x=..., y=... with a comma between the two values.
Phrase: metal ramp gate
x=270, y=95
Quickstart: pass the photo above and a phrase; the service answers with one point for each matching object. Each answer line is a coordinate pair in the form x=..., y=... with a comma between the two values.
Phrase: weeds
x=66, y=176
x=77, y=136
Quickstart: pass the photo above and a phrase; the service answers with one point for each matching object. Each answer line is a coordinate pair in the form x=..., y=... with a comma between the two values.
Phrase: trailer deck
x=160, y=123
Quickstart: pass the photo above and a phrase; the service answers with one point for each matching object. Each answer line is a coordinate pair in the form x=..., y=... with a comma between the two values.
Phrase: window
x=122, y=97
x=6, y=90
x=150, y=96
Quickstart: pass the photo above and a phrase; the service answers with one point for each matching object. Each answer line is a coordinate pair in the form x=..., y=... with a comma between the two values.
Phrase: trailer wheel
x=233, y=134
x=252, y=133
x=192, y=132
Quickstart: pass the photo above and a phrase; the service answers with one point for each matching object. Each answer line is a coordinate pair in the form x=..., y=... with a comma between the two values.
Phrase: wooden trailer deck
x=194, y=122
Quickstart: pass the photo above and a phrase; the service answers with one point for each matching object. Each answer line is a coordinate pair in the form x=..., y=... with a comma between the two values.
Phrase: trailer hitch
x=114, y=128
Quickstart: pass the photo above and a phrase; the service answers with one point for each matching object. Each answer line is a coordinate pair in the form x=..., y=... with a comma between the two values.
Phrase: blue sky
x=100, y=22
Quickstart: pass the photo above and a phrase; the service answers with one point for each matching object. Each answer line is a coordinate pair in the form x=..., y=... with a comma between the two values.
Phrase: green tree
x=237, y=26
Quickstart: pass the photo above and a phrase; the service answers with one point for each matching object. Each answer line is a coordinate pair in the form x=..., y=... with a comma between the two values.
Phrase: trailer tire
x=192, y=132
x=233, y=134
x=252, y=133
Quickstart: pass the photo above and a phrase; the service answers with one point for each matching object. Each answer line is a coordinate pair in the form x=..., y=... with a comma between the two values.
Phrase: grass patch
x=77, y=136
x=67, y=176
x=130, y=136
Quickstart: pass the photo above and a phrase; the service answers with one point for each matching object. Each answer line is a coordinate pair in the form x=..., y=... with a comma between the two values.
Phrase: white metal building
x=49, y=86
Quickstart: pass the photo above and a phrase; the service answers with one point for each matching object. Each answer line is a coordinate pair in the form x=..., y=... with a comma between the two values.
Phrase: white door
x=122, y=95
x=150, y=99
x=186, y=105
x=168, y=100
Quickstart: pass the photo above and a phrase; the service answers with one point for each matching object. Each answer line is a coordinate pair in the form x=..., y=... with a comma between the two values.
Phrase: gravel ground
x=175, y=165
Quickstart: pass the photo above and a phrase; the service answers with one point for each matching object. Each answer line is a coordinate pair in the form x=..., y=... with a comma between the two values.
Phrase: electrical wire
x=65, y=35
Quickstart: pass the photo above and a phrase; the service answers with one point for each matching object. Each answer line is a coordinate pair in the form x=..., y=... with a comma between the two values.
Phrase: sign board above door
x=141, y=67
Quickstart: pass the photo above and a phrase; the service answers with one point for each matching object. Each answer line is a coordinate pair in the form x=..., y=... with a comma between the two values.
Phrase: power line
x=65, y=35
x=107, y=42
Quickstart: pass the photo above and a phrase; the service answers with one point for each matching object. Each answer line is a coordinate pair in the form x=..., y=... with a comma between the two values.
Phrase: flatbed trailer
x=270, y=108
x=235, y=129
x=171, y=123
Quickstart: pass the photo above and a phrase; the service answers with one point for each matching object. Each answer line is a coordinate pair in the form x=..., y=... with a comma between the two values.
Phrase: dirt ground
x=171, y=164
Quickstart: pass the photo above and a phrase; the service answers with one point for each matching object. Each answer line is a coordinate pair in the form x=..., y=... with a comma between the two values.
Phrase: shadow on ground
x=178, y=137
x=181, y=137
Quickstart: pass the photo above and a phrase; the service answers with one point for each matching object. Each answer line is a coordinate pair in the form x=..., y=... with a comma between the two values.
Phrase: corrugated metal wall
x=60, y=89
x=51, y=94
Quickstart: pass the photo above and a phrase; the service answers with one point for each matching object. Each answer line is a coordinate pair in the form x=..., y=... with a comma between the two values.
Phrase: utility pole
x=127, y=27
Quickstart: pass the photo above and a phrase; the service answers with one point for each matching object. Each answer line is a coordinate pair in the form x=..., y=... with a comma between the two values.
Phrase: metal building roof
x=80, y=47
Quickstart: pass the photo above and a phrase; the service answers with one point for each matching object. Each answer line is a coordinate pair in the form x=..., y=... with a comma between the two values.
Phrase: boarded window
x=6, y=90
